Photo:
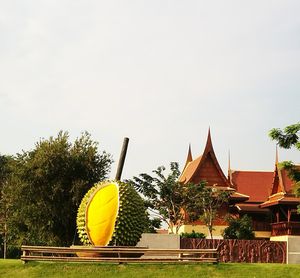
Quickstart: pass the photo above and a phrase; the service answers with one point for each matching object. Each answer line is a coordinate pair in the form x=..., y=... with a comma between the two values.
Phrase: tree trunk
x=210, y=227
x=5, y=241
x=210, y=232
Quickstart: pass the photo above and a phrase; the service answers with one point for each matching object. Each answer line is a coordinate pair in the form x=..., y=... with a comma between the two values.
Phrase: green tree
x=4, y=202
x=193, y=234
x=152, y=224
x=209, y=201
x=47, y=185
x=239, y=228
x=166, y=198
x=288, y=138
x=8, y=191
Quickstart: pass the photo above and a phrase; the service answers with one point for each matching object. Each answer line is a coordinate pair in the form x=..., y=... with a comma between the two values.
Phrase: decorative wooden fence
x=245, y=251
x=285, y=228
x=117, y=254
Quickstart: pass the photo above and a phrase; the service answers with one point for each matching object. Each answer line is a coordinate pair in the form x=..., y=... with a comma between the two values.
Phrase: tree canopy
x=175, y=203
x=288, y=138
x=45, y=187
x=165, y=197
x=239, y=228
x=209, y=201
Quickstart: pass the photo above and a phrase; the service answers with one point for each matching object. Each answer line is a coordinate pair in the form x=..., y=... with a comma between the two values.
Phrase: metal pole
x=122, y=159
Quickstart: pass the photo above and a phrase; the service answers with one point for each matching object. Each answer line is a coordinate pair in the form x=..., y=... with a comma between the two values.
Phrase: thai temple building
x=267, y=197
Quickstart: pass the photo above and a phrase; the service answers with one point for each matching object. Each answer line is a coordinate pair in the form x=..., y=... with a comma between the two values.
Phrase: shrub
x=240, y=228
x=193, y=234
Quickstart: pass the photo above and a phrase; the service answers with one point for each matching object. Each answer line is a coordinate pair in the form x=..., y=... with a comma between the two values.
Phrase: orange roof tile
x=281, y=200
x=282, y=189
x=287, y=182
x=257, y=185
x=189, y=170
x=205, y=167
x=282, y=182
x=238, y=196
x=189, y=159
x=245, y=207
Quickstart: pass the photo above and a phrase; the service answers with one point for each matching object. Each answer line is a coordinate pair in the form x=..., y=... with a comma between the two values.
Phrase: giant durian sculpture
x=111, y=213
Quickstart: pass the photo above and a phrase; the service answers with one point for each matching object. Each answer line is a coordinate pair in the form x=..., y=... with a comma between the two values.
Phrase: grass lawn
x=15, y=268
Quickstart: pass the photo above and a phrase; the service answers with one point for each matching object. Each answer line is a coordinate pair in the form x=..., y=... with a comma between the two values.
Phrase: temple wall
x=287, y=248
x=262, y=234
x=293, y=247
x=242, y=251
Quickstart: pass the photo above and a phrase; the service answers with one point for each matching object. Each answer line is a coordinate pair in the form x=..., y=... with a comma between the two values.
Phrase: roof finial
x=229, y=168
x=189, y=156
x=189, y=159
x=208, y=146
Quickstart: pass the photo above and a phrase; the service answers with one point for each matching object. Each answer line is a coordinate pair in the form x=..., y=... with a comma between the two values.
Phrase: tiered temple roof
x=206, y=168
x=253, y=191
x=281, y=190
x=256, y=185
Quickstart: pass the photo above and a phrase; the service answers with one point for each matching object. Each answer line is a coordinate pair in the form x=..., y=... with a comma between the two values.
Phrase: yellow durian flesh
x=101, y=213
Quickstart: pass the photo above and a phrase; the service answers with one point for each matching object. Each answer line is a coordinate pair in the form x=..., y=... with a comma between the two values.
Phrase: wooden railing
x=117, y=254
x=285, y=228
x=260, y=226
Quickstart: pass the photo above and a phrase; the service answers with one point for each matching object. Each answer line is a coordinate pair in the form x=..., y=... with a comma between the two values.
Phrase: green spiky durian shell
x=130, y=222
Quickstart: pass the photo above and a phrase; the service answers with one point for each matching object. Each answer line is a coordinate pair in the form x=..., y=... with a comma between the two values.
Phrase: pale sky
x=159, y=72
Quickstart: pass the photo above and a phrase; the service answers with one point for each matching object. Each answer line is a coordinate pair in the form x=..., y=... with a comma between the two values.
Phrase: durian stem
x=122, y=159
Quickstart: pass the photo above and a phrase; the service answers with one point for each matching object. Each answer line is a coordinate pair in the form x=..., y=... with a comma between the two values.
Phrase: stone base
x=159, y=241
x=293, y=248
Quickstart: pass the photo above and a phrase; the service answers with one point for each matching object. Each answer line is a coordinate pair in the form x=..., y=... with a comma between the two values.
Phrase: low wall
x=159, y=241
x=244, y=251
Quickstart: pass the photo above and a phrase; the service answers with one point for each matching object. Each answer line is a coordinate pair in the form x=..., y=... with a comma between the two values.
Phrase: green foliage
x=293, y=173
x=3, y=180
x=6, y=205
x=209, y=201
x=239, y=228
x=46, y=185
x=287, y=138
x=193, y=234
x=5, y=170
x=176, y=203
x=166, y=198
x=152, y=224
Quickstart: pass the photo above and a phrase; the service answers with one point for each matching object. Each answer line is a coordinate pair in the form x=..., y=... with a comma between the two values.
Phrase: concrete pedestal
x=160, y=241
x=293, y=248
